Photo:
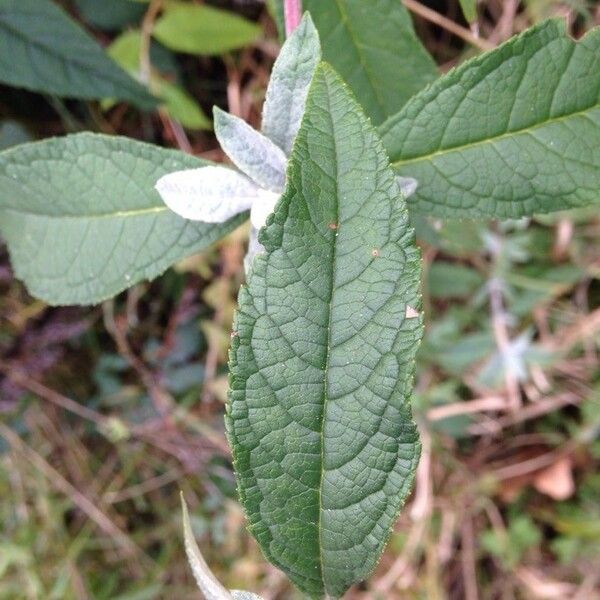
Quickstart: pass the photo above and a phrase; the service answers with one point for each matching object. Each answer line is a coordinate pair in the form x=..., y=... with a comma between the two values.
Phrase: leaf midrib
x=114, y=215
x=346, y=23
x=91, y=68
x=493, y=139
x=328, y=346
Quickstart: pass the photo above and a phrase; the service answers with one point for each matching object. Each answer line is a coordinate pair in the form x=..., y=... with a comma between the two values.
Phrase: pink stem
x=292, y=10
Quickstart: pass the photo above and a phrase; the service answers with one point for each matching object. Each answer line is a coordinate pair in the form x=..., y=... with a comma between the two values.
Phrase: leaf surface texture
x=82, y=218
x=512, y=132
x=322, y=355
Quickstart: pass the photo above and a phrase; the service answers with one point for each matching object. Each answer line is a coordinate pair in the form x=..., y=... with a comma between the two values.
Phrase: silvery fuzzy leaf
x=263, y=207
x=239, y=595
x=208, y=194
x=252, y=152
x=209, y=585
x=408, y=185
x=259, y=212
x=288, y=87
x=254, y=248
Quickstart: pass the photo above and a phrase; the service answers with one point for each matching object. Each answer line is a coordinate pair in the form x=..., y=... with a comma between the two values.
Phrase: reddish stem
x=292, y=9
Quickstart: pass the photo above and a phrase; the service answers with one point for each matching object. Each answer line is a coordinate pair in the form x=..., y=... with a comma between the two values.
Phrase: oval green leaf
x=201, y=29
x=322, y=357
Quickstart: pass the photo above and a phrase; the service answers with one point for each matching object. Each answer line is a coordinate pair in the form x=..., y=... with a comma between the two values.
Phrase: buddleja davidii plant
x=325, y=337
x=318, y=417
x=324, y=341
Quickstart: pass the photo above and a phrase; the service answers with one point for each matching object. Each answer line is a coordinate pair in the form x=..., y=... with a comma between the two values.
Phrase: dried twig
x=588, y=326
x=146, y=38
x=465, y=408
x=531, y=411
x=532, y=465
x=116, y=328
x=468, y=560
x=33, y=386
x=80, y=500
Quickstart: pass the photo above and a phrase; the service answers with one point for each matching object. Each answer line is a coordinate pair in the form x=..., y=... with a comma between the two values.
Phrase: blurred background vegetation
x=107, y=412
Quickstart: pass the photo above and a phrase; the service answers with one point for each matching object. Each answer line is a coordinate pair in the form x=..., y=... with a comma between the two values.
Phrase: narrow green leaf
x=450, y=280
x=372, y=44
x=512, y=132
x=201, y=29
x=469, y=9
x=322, y=355
x=43, y=50
x=82, y=218
x=180, y=105
x=125, y=50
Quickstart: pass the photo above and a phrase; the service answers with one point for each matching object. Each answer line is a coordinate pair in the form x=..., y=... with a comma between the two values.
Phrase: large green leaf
x=322, y=355
x=82, y=219
x=510, y=133
x=373, y=46
x=126, y=51
x=200, y=29
x=43, y=50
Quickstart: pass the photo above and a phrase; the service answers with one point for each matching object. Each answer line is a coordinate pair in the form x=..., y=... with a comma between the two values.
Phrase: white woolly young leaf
x=259, y=212
x=254, y=248
x=262, y=207
x=208, y=194
x=408, y=185
x=250, y=151
x=209, y=585
x=288, y=87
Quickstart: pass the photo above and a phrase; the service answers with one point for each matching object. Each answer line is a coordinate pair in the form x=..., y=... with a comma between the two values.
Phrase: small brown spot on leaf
x=332, y=226
x=375, y=252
